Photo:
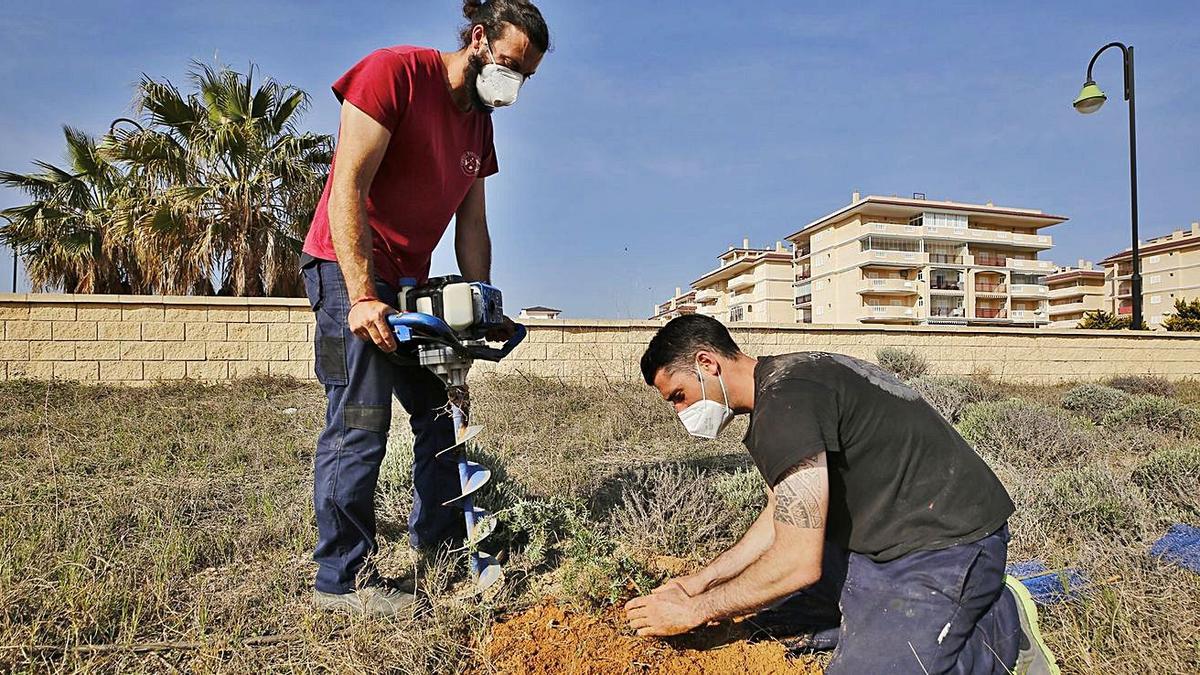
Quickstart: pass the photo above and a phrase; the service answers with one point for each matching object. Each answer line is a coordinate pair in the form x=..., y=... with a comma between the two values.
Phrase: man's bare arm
x=757, y=539
x=792, y=562
x=472, y=243
x=362, y=142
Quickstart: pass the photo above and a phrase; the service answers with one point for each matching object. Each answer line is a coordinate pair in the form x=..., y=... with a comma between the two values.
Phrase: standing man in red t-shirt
x=414, y=148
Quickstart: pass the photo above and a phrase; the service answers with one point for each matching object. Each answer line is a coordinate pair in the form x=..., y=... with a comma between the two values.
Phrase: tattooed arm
x=792, y=562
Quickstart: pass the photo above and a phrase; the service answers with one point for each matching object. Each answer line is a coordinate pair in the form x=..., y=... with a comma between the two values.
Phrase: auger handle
x=497, y=353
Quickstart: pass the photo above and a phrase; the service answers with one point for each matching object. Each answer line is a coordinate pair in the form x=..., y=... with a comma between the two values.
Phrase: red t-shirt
x=435, y=154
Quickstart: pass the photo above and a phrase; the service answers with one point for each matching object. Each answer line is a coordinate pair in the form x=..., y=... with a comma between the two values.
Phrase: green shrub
x=596, y=572
x=1170, y=479
x=1095, y=401
x=907, y=364
x=1095, y=501
x=1157, y=413
x=950, y=395
x=1185, y=318
x=673, y=510
x=1143, y=384
x=1027, y=434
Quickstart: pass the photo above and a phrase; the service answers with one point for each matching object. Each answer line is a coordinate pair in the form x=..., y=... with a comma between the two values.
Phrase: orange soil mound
x=549, y=640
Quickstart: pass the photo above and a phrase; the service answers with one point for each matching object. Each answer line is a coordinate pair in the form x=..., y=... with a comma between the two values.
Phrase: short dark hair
x=674, y=346
x=492, y=14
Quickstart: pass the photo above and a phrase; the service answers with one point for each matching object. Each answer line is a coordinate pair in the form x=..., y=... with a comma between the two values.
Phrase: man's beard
x=474, y=67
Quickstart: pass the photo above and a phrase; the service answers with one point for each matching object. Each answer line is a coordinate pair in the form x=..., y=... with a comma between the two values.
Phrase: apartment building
x=750, y=284
x=682, y=303
x=919, y=261
x=1170, y=270
x=1075, y=291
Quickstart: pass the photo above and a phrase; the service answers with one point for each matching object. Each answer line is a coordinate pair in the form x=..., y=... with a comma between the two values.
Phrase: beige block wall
x=136, y=339
x=140, y=339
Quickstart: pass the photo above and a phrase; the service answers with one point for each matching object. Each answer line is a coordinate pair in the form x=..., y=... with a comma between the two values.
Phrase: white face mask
x=497, y=86
x=707, y=418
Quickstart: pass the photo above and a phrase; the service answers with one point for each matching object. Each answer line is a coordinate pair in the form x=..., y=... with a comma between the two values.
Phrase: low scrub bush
x=676, y=511
x=1170, y=479
x=907, y=364
x=1143, y=384
x=1095, y=502
x=950, y=395
x=1156, y=413
x=1095, y=401
x=1027, y=434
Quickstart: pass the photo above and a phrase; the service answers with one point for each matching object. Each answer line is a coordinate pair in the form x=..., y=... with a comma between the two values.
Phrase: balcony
x=1071, y=291
x=1017, y=239
x=1029, y=291
x=1125, y=291
x=1030, y=265
x=1125, y=310
x=889, y=286
x=1034, y=315
x=801, y=252
x=990, y=313
x=804, y=273
x=739, y=282
x=990, y=260
x=985, y=288
x=803, y=301
x=1069, y=308
x=945, y=259
x=898, y=229
x=888, y=312
x=958, y=312
x=707, y=295
x=711, y=311
x=893, y=258
x=945, y=286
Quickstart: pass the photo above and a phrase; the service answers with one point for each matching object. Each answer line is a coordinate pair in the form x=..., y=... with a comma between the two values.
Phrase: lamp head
x=1090, y=98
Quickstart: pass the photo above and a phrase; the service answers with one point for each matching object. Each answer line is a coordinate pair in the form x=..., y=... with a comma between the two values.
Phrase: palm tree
x=65, y=234
x=222, y=185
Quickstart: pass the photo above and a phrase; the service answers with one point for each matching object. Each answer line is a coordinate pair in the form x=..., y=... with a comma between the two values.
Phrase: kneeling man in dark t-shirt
x=882, y=524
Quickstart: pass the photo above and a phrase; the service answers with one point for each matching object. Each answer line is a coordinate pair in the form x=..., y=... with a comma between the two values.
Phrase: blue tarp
x=1180, y=545
x=1048, y=586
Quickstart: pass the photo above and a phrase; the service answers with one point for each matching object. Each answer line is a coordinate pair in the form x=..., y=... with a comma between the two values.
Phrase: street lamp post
x=1089, y=101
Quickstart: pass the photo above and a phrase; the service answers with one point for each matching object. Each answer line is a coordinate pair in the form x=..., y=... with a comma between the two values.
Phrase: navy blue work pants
x=360, y=381
x=931, y=612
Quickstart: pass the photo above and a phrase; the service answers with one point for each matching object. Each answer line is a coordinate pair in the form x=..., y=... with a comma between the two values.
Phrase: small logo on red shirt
x=470, y=163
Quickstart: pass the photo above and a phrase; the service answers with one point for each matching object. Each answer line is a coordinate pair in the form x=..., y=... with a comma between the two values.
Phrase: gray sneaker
x=1034, y=657
x=372, y=601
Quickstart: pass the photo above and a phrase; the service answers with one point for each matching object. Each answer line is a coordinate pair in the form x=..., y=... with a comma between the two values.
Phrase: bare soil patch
x=549, y=639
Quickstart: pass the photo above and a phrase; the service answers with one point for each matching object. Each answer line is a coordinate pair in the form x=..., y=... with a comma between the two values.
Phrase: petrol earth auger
x=447, y=320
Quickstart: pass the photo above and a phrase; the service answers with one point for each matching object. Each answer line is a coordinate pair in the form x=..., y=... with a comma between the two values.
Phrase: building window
x=1154, y=279
x=735, y=314
x=1155, y=299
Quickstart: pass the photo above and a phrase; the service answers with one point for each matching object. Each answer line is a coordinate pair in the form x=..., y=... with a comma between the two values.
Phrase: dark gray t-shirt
x=901, y=479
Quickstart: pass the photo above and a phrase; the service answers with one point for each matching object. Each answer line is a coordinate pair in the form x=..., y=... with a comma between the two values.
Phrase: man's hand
x=668, y=611
x=368, y=320
x=692, y=584
x=503, y=332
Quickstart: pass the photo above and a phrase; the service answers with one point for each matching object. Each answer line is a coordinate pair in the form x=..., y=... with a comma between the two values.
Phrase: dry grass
x=170, y=528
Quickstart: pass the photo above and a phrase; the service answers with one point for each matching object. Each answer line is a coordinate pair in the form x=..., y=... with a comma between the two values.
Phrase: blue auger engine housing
x=469, y=308
x=448, y=318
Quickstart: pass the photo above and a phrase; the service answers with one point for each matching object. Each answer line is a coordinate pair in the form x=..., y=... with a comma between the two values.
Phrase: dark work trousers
x=925, y=612
x=360, y=381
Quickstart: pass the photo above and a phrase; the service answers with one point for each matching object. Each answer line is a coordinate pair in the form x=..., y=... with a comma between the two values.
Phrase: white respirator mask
x=706, y=418
x=497, y=85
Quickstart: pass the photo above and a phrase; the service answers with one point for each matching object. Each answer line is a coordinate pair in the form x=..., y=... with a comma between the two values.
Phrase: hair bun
x=471, y=8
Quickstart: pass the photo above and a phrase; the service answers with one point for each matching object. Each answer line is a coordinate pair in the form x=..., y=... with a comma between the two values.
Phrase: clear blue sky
x=657, y=133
